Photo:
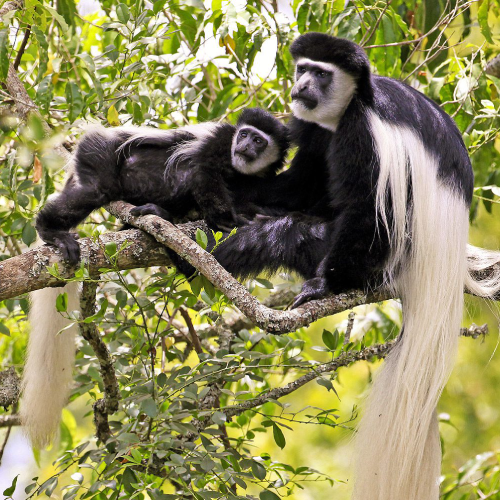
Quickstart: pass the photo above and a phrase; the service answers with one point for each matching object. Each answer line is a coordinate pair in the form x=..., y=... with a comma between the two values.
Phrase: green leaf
x=67, y=9
x=136, y=455
x=110, y=249
x=44, y=92
x=10, y=490
x=268, y=495
x=209, y=288
x=29, y=234
x=324, y=382
x=196, y=285
x=62, y=302
x=60, y=19
x=330, y=340
x=49, y=486
x=161, y=380
x=219, y=418
x=43, y=52
x=123, y=13
x=279, y=437
x=74, y=100
x=4, y=54
x=264, y=283
x=482, y=17
x=207, y=464
x=128, y=437
x=149, y=408
x=258, y=470
x=201, y=238
x=4, y=330
x=113, y=117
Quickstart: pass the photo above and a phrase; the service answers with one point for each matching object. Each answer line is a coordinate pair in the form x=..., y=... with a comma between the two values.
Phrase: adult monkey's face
x=313, y=84
x=327, y=75
x=321, y=93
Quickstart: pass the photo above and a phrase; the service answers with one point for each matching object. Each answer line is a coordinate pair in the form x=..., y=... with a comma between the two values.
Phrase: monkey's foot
x=68, y=246
x=315, y=288
x=227, y=222
x=150, y=209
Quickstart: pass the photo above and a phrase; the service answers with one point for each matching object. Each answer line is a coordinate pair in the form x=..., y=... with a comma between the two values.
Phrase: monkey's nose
x=299, y=90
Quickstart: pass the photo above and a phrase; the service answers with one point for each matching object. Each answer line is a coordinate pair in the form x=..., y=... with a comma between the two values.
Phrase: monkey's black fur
x=121, y=165
x=334, y=177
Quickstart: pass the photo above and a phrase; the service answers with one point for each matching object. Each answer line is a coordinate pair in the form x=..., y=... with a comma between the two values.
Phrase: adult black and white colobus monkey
x=210, y=167
x=395, y=213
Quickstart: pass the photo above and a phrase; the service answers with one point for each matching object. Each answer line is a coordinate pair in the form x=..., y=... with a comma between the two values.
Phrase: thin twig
x=22, y=48
x=192, y=332
x=366, y=38
x=348, y=330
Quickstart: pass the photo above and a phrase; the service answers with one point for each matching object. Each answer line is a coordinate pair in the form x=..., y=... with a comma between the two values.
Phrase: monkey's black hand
x=68, y=246
x=315, y=288
x=150, y=209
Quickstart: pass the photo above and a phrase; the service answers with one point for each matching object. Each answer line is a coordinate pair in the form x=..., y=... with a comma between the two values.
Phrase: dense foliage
x=167, y=63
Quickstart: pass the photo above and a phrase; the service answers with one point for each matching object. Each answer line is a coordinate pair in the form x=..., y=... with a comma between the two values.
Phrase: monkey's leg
x=66, y=211
x=355, y=256
x=295, y=242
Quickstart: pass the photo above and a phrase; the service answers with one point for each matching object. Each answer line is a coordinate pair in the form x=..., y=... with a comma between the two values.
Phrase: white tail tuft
x=483, y=278
x=48, y=371
x=398, y=452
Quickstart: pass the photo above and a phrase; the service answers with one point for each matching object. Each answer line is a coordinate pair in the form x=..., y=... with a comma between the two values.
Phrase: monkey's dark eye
x=243, y=134
x=258, y=141
x=321, y=74
x=300, y=70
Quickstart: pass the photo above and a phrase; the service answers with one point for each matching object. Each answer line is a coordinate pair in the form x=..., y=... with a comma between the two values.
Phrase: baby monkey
x=213, y=168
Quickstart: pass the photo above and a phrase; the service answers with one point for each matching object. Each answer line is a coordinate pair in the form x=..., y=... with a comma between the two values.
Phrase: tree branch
x=268, y=319
x=345, y=359
x=493, y=67
x=109, y=404
x=192, y=332
x=10, y=6
x=27, y=272
x=10, y=420
x=10, y=387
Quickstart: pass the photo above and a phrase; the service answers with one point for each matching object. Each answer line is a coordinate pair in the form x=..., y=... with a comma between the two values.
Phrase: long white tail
x=49, y=364
x=398, y=452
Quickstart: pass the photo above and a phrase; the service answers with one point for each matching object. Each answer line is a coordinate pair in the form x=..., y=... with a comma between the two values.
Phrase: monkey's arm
x=211, y=193
x=300, y=188
x=358, y=246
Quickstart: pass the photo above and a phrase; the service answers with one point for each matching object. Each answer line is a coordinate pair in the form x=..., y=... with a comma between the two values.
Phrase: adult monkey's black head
x=260, y=143
x=329, y=72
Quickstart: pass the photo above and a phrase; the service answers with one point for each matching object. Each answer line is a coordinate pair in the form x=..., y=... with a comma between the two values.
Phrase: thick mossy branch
x=28, y=272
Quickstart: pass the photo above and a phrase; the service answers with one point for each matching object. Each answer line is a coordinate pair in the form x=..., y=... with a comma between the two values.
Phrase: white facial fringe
x=331, y=109
x=264, y=160
x=398, y=452
x=48, y=371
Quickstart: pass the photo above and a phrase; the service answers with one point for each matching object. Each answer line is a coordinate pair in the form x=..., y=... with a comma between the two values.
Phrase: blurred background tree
x=164, y=64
